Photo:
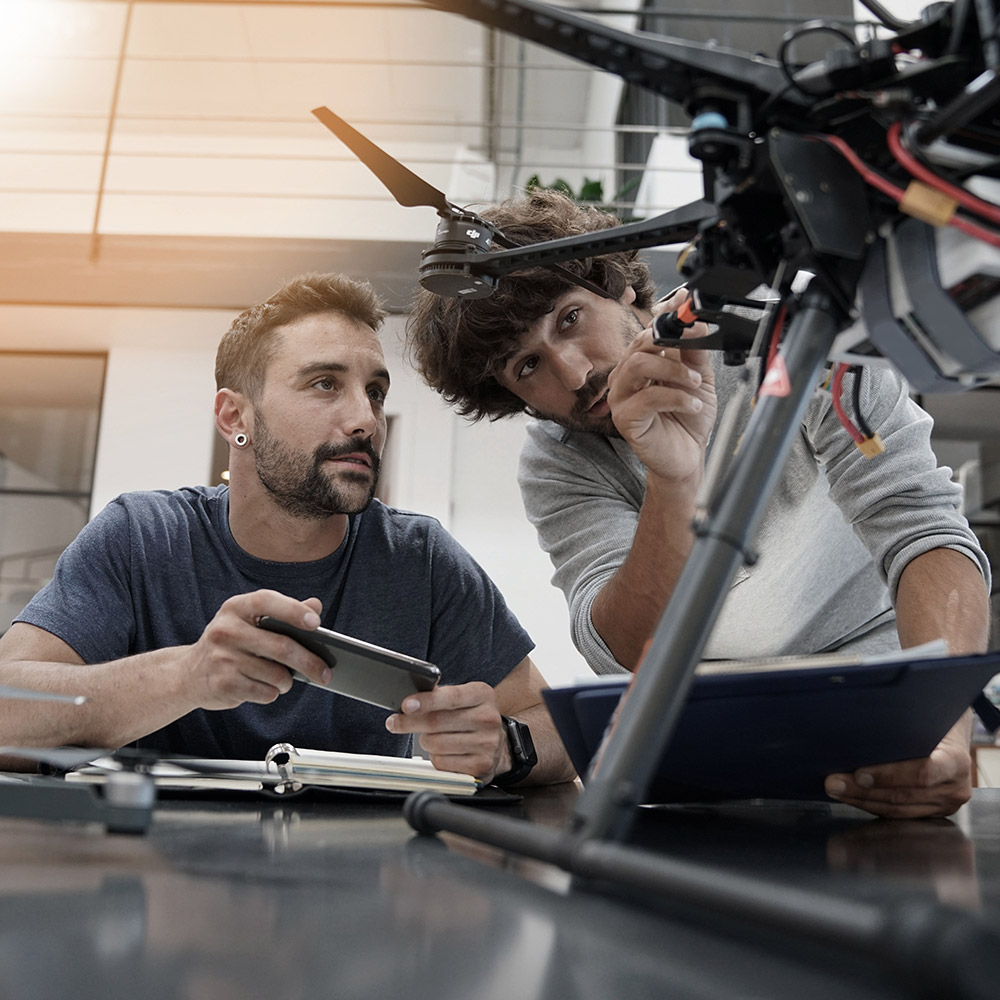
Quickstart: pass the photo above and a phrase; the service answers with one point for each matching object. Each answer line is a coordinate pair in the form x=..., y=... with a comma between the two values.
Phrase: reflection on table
x=337, y=897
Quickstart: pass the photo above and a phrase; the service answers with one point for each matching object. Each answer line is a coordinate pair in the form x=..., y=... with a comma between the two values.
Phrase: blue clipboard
x=779, y=733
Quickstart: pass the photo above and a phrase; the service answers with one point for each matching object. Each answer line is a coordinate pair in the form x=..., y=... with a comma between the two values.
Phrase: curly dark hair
x=459, y=345
x=248, y=345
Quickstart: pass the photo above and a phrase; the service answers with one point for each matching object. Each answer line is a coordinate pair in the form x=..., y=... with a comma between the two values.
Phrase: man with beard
x=153, y=609
x=611, y=469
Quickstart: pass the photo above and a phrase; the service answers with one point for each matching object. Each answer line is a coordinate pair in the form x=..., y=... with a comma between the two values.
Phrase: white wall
x=157, y=432
x=156, y=429
x=488, y=519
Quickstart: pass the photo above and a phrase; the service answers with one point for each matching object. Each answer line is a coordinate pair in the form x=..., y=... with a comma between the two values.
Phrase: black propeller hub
x=458, y=233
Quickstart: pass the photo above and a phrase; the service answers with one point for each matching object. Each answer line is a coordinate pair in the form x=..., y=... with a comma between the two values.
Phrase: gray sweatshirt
x=836, y=536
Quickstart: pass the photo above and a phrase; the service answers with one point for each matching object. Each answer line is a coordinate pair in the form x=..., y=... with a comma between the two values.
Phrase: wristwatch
x=522, y=752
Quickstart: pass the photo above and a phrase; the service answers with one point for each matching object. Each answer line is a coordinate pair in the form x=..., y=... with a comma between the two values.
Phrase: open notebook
x=775, y=729
x=287, y=769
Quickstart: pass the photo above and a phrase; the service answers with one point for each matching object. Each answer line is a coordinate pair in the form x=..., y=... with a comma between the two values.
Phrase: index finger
x=258, y=603
x=447, y=698
x=694, y=358
x=674, y=299
x=283, y=648
x=447, y=706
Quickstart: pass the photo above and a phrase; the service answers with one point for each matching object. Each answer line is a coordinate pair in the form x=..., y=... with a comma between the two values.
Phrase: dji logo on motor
x=473, y=234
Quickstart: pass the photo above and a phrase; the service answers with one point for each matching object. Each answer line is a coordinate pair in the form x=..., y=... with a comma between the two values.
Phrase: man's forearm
x=942, y=594
x=126, y=699
x=626, y=611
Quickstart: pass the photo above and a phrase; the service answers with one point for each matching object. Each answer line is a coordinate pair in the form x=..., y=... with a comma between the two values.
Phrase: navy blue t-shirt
x=153, y=568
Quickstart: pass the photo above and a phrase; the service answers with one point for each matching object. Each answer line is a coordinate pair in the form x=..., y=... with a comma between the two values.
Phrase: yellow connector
x=928, y=204
x=870, y=447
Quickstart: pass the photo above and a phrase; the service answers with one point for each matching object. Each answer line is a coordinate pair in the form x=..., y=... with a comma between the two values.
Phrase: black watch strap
x=522, y=752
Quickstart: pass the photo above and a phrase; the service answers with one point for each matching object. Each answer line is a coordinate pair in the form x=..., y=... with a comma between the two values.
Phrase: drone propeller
x=459, y=231
x=403, y=184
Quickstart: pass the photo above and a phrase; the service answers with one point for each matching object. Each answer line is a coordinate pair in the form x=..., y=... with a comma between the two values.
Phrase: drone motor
x=457, y=233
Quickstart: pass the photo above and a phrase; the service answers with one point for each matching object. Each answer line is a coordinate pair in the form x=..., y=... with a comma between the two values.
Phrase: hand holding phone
x=360, y=669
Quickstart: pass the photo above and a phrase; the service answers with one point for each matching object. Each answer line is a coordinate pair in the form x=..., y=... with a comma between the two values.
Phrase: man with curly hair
x=611, y=467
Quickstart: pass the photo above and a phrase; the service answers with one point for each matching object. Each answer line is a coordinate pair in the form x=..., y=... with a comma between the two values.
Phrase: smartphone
x=361, y=670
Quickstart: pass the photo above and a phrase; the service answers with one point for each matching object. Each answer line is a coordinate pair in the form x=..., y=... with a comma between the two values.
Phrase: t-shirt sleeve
x=88, y=602
x=901, y=503
x=474, y=635
x=586, y=519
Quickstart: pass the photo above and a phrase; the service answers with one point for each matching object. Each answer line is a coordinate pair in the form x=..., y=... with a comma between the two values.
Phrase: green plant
x=591, y=192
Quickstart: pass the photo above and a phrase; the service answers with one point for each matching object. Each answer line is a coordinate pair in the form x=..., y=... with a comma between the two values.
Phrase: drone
x=872, y=170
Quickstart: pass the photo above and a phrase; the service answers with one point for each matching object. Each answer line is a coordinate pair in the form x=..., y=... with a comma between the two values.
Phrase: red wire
x=976, y=232
x=838, y=381
x=872, y=177
x=886, y=186
x=915, y=167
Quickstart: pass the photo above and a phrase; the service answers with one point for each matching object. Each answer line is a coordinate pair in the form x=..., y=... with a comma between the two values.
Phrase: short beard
x=579, y=418
x=298, y=482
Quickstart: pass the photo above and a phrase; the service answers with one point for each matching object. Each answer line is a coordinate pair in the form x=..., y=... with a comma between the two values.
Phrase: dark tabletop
x=239, y=899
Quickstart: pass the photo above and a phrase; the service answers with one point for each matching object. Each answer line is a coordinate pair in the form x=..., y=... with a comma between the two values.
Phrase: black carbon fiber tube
x=936, y=951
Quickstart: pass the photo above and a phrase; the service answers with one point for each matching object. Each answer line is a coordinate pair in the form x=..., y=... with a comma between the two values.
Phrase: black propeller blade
x=412, y=191
x=405, y=186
